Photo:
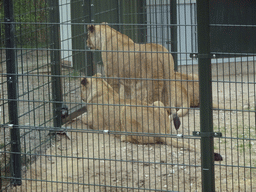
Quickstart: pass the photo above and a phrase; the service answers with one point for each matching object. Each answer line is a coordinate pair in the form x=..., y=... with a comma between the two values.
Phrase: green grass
x=33, y=44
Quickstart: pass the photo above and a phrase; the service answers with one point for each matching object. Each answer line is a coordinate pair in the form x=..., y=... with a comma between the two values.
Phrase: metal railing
x=45, y=144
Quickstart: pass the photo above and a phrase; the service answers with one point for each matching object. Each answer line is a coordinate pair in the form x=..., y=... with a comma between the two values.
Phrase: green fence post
x=92, y=68
x=12, y=83
x=78, y=35
x=174, y=36
x=205, y=85
x=55, y=62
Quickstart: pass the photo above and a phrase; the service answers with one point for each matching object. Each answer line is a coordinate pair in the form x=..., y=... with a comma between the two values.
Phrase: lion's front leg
x=114, y=83
x=158, y=87
x=149, y=91
x=86, y=119
x=142, y=91
x=94, y=118
x=125, y=91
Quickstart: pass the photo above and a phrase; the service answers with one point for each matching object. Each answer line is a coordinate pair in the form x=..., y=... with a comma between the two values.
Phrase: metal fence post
x=78, y=34
x=92, y=55
x=55, y=62
x=174, y=36
x=12, y=83
x=205, y=85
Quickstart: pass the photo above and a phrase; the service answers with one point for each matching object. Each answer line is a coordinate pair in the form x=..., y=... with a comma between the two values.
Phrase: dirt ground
x=93, y=161
x=90, y=160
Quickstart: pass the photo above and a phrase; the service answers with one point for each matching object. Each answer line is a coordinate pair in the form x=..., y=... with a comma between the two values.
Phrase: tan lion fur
x=190, y=93
x=122, y=58
x=105, y=110
x=185, y=91
x=191, y=84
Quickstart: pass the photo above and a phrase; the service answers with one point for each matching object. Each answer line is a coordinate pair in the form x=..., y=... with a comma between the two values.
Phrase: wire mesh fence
x=104, y=95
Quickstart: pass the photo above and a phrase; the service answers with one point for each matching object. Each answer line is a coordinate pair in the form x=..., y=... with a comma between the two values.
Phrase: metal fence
x=56, y=135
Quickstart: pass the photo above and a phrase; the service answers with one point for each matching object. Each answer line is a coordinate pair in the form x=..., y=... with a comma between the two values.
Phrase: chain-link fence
x=104, y=95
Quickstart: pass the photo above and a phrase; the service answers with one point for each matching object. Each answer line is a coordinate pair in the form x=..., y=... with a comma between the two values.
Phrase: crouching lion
x=106, y=110
x=187, y=93
x=190, y=82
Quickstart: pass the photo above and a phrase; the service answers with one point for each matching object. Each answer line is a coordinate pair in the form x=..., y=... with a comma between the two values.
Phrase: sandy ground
x=92, y=161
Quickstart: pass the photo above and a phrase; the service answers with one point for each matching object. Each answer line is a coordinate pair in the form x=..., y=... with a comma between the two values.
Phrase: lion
x=187, y=88
x=106, y=110
x=181, y=98
x=191, y=84
x=135, y=71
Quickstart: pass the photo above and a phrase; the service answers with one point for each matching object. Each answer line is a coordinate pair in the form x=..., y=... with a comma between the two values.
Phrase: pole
x=12, y=84
x=174, y=36
x=55, y=62
x=205, y=85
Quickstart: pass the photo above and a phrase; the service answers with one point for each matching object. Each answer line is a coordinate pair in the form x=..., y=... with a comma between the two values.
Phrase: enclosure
x=48, y=64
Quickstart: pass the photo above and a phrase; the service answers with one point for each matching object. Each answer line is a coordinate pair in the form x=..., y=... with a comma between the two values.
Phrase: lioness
x=185, y=92
x=137, y=70
x=191, y=84
x=189, y=93
x=106, y=110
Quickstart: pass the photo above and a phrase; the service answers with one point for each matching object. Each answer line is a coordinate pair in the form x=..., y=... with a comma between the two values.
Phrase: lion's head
x=91, y=87
x=96, y=35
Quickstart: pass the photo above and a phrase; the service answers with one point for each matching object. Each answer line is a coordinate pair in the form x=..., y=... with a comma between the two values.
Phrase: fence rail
x=49, y=63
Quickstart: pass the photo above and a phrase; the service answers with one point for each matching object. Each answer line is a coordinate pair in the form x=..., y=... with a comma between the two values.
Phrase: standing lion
x=136, y=71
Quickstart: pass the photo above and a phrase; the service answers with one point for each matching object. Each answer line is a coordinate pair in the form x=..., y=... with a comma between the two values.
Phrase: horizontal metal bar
x=207, y=134
x=48, y=24
x=65, y=129
x=104, y=159
x=89, y=184
x=231, y=25
x=213, y=55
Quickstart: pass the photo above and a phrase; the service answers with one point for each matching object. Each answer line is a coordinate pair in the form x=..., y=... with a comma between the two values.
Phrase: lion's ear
x=91, y=28
x=84, y=81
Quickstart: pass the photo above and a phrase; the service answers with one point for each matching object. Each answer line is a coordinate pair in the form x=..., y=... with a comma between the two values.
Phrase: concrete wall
x=232, y=68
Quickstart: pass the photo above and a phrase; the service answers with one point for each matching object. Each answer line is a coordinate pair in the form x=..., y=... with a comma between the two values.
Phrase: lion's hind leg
x=126, y=124
x=158, y=87
x=129, y=126
x=131, y=123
